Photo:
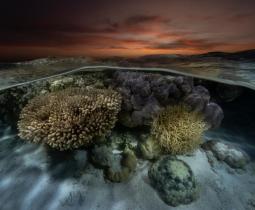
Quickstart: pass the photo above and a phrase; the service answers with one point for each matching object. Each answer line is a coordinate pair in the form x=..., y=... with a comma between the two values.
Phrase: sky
x=40, y=28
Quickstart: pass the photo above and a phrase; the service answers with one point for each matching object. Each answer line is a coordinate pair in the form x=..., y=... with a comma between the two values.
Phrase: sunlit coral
x=177, y=129
x=70, y=118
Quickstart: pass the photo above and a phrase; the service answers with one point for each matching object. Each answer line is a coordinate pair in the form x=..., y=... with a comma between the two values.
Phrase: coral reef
x=149, y=148
x=118, y=166
x=70, y=118
x=128, y=166
x=234, y=157
x=63, y=82
x=174, y=181
x=145, y=94
x=12, y=100
x=177, y=129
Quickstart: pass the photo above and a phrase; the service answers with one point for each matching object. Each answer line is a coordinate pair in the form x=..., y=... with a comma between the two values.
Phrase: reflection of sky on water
x=237, y=72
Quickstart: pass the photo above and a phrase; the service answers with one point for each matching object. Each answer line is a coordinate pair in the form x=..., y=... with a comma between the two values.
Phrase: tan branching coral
x=177, y=129
x=70, y=118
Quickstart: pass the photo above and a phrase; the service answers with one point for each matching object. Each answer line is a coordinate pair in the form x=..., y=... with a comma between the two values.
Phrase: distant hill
x=247, y=55
x=241, y=55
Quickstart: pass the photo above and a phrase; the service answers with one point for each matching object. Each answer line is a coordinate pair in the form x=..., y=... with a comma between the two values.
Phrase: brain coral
x=69, y=118
x=177, y=129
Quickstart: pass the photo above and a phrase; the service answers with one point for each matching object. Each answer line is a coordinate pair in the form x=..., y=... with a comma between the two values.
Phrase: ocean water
x=37, y=177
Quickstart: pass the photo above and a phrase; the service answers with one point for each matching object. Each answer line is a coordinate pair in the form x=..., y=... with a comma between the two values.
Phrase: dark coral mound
x=70, y=118
x=174, y=181
x=145, y=94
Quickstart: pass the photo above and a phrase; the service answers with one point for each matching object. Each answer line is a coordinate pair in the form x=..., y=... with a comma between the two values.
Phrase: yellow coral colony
x=69, y=118
x=178, y=130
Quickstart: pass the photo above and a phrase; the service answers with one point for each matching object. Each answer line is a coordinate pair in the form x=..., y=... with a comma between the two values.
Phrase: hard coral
x=70, y=118
x=174, y=181
x=177, y=129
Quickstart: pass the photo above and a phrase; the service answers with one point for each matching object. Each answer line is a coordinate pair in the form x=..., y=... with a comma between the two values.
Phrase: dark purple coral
x=145, y=94
x=213, y=115
x=198, y=98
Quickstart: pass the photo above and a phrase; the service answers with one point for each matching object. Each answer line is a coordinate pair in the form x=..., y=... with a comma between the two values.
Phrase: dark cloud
x=194, y=44
x=145, y=19
x=242, y=17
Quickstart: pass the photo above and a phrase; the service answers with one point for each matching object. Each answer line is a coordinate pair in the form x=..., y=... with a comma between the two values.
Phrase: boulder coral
x=69, y=118
x=174, y=181
x=178, y=130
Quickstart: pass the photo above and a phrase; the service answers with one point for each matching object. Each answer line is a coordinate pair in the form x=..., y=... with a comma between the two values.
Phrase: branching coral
x=69, y=118
x=177, y=129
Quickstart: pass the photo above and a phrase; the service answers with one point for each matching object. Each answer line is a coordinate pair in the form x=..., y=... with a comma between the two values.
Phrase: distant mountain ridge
x=241, y=55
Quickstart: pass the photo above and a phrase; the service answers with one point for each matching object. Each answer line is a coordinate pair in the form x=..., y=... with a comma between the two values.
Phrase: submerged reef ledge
x=123, y=119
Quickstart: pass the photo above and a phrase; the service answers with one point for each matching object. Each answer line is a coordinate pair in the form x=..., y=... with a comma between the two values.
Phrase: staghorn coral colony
x=123, y=120
x=178, y=130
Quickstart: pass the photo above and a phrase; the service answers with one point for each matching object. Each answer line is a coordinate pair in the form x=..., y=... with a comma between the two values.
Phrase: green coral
x=70, y=118
x=178, y=130
x=174, y=181
x=128, y=166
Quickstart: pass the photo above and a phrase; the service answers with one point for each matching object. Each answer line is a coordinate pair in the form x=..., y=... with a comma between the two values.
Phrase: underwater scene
x=105, y=137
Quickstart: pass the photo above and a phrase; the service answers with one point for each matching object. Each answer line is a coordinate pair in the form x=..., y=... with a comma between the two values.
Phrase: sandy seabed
x=34, y=178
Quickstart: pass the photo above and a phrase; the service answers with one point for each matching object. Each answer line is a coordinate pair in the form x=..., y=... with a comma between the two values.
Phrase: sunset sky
x=39, y=28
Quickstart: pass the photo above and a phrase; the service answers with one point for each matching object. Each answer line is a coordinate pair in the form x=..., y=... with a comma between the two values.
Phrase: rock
x=234, y=157
x=117, y=166
x=121, y=174
x=213, y=115
x=174, y=181
x=149, y=149
x=102, y=156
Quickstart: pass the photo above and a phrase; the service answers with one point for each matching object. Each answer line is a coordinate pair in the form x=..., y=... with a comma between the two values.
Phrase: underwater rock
x=174, y=181
x=213, y=115
x=70, y=118
x=234, y=157
x=102, y=156
x=128, y=166
x=149, y=149
x=117, y=167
